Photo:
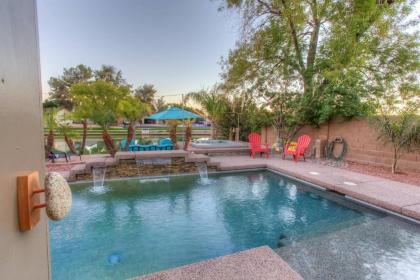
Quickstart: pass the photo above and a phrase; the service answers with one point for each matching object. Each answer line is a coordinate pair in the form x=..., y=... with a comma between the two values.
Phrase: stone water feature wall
x=149, y=167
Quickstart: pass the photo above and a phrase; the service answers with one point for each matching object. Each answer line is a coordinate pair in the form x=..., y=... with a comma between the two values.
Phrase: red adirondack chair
x=302, y=145
x=256, y=146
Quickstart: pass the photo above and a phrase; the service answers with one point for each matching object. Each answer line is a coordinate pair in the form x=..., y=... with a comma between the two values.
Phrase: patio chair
x=123, y=142
x=151, y=147
x=137, y=148
x=54, y=154
x=298, y=150
x=165, y=144
x=256, y=146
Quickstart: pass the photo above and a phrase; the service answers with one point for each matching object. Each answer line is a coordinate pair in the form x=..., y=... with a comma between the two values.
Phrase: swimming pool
x=135, y=227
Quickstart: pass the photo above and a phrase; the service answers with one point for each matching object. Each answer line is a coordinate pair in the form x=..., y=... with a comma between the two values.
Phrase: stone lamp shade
x=58, y=198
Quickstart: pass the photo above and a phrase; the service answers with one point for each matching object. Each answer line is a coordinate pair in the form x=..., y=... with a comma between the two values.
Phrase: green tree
x=337, y=57
x=81, y=112
x=132, y=110
x=100, y=99
x=110, y=74
x=160, y=104
x=242, y=116
x=48, y=104
x=65, y=129
x=286, y=113
x=400, y=128
x=214, y=104
x=60, y=85
x=145, y=93
x=50, y=123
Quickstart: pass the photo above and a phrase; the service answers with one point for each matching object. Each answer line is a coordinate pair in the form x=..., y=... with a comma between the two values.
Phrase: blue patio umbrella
x=174, y=113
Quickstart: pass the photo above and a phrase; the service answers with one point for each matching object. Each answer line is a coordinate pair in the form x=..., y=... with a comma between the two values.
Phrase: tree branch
x=295, y=41
x=313, y=45
x=269, y=8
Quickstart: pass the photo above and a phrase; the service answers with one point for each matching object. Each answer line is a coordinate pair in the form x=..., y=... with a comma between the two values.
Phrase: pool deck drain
x=253, y=264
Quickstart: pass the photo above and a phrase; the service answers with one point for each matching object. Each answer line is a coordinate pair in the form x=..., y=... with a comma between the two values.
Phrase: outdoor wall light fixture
x=314, y=173
x=57, y=198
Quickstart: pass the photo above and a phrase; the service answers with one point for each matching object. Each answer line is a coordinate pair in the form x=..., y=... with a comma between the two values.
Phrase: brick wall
x=363, y=145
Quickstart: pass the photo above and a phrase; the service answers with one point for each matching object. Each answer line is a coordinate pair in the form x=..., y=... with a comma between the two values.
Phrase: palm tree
x=173, y=124
x=81, y=113
x=132, y=110
x=65, y=130
x=51, y=124
x=214, y=104
x=401, y=131
x=188, y=133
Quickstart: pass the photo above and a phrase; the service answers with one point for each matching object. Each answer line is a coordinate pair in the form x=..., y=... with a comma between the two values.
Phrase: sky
x=175, y=45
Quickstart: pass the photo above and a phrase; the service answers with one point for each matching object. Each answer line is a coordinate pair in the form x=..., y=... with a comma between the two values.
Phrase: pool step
x=383, y=248
x=322, y=227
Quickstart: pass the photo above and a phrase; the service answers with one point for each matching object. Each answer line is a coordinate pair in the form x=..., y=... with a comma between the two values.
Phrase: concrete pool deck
x=253, y=264
x=394, y=196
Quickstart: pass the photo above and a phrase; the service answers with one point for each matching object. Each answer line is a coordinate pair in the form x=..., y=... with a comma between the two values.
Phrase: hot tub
x=218, y=144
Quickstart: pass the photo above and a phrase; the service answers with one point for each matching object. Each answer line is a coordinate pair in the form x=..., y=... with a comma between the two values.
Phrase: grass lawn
x=119, y=132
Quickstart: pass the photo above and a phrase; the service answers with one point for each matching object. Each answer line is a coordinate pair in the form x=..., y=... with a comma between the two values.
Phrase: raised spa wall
x=221, y=151
x=153, y=163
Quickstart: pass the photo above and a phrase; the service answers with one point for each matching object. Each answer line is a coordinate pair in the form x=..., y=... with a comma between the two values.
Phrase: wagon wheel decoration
x=330, y=149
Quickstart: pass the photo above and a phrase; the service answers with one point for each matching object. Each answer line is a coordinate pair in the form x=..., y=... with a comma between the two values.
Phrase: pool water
x=134, y=227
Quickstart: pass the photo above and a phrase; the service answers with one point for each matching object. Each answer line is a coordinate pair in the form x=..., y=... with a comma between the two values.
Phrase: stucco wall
x=22, y=255
x=362, y=139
